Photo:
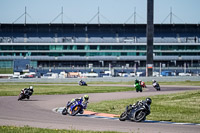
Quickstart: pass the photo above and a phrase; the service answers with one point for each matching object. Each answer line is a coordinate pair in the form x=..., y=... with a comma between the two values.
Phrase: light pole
x=149, y=34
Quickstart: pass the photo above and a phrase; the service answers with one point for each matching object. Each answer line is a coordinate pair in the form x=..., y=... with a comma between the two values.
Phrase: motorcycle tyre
x=157, y=88
x=20, y=97
x=75, y=112
x=64, y=112
x=123, y=116
x=141, y=118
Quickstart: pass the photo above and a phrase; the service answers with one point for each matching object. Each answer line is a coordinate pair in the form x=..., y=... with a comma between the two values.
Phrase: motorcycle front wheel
x=20, y=97
x=64, y=112
x=140, y=116
x=123, y=116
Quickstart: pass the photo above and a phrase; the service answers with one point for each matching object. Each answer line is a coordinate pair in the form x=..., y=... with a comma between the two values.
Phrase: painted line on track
x=59, y=110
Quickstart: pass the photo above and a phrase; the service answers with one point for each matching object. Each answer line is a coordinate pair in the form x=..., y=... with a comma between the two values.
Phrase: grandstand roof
x=139, y=28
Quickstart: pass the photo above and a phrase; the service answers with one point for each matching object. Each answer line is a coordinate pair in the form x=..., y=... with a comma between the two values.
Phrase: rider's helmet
x=30, y=87
x=153, y=80
x=86, y=97
x=148, y=101
x=136, y=81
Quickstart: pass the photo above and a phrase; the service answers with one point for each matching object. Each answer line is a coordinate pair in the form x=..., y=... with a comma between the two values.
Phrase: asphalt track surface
x=37, y=112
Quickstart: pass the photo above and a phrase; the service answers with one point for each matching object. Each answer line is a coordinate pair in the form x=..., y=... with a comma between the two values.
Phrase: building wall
x=83, y=44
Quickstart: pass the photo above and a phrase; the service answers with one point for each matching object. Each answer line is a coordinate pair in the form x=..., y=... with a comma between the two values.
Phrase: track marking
x=59, y=110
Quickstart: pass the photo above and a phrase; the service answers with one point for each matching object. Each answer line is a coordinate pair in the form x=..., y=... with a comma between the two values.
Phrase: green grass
x=13, y=90
x=6, y=71
x=180, y=107
x=181, y=83
x=27, y=129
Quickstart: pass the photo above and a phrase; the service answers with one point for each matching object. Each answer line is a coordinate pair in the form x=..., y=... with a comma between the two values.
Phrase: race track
x=37, y=112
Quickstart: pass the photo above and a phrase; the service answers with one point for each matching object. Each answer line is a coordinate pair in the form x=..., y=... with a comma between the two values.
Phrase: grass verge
x=6, y=71
x=180, y=107
x=13, y=90
x=181, y=83
x=27, y=129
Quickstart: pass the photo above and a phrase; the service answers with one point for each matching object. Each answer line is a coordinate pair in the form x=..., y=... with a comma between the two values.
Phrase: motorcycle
x=156, y=86
x=25, y=94
x=135, y=113
x=82, y=83
x=75, y=107
x=138, y=87
x=143, y=85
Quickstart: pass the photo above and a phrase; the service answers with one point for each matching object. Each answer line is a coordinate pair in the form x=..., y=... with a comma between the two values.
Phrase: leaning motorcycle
x=143, y=85
x=138, y=87
x=135, y=113
x=83, y=83
x=156, y=86
x=24, y=95
x=75, y=107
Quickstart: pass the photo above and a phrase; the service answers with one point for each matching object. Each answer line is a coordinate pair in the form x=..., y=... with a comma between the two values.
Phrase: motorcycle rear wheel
x=75, y=111
x=123, y=116
x=140, y=116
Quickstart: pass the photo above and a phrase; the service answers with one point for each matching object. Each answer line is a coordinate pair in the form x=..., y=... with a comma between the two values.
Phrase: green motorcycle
x=138, y=87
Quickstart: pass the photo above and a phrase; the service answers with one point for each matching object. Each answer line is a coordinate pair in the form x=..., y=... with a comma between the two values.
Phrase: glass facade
x=97, y=50
x=105, y=40
x=6, y=64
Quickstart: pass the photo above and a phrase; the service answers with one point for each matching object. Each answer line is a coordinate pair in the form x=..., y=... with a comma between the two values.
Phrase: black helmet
x=136, y=81
x=148, y=101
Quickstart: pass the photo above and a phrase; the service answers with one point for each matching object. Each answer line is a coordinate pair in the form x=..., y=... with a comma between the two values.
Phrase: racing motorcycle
x=156, y=86
x=82, y=83
x=25, y=93
x=143, y=85
x=135, y=113
x=138, y=87
x=75, y=107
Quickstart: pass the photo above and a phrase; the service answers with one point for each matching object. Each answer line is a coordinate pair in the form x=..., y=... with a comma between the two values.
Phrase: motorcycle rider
x=142, y=83
x=136, y=81
x=147, y=102
x=81, y=82
x=154, y=82
x=27, y=91
x=137, y=86
x=85, y=99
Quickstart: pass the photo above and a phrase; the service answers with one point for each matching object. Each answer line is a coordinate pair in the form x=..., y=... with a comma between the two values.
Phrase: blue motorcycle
x=75, y=107
x=82, y=83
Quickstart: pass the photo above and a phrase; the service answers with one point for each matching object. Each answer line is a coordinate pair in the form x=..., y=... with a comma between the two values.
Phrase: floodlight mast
x=150, y=35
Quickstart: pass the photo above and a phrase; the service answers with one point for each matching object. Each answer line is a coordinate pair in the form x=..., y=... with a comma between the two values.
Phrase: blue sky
x=111, y=11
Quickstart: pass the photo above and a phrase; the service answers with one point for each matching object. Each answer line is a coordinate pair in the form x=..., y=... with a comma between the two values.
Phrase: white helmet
x=31, y=87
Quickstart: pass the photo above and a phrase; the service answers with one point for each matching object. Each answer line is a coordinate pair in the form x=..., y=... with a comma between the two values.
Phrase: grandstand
x=80, y=47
